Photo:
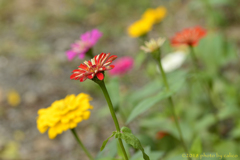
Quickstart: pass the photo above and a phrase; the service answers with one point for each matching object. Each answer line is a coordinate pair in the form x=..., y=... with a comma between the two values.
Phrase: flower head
x=122, y=65
x=173, y=61
x=153, y=45
x=156, y=15
x=149, y=18
x=86, y=42
x=13, y=98
x=140, y=27
x=64, y=114
x=94, y=67
x=189, y=36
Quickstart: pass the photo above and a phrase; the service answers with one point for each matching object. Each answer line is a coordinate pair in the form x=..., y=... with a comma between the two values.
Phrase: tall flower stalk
x=108, y=99
x=94, y=70
x=203, y=85
x=153, y=47
x=172, y=105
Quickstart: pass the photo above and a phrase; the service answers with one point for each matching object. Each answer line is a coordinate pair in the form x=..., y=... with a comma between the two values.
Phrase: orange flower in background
x=189, y=36
x=161, y=134
x=94, y=67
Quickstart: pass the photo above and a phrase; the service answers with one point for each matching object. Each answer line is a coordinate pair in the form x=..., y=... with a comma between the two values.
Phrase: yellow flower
x=149, y=18
x=13, y=98
x=64, y=114
x=140, y=27
x=155, y=15
x=153, y=45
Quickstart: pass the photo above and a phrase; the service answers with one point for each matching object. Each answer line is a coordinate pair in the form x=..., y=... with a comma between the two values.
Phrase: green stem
x=205, y=87
x=194, y=58
x=105, y=92
x=81, y=144
x=90, y=53
x=172, y=107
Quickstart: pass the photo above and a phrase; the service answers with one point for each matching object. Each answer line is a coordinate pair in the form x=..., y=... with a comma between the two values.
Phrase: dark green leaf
x=132, y=140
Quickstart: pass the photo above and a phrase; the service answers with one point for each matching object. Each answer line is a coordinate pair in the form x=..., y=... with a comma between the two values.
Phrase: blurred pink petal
x=122, y=65
x=86, y=42
x=70, y=55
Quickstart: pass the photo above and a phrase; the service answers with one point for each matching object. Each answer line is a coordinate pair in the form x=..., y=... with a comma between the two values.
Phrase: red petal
x=73, y=76
x=83, y=66
x=83, y=79
x=100, y=75
x=111, y=58
x=90, y=76
x=104, y=58
x=110, y=67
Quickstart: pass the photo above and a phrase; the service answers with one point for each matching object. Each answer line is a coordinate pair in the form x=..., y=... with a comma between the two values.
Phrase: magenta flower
x=82, y=46
x=122, y=65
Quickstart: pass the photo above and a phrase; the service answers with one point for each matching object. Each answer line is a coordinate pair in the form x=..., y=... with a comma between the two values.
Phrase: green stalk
x=81, y=144
x=90, y=53
x=105, y=92
x=194, y=58
x=205, y=87
x=172, y=104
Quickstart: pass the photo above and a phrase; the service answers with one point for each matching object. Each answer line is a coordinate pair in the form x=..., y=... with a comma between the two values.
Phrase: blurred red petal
x=100, y=75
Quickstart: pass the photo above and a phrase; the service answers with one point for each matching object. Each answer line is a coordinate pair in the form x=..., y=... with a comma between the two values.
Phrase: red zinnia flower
x=189, y=36
x=93, y=67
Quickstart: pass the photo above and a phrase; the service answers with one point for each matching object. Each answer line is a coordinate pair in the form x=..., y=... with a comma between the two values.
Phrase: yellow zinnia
x=149, y=18
x=155, y=15
x=140, y=27
x=64, y=114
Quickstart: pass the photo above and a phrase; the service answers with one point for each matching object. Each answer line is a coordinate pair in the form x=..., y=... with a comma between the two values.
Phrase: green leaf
x=145, y=91
x=105, y=142
x=132, y=140
x=149, y=102
x=126, y=129
x=145, y=105
x=196, y=147
x=205, y=122
x=109, y=152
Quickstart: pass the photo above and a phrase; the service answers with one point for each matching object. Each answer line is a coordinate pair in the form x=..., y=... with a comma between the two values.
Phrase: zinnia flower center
x=93, y=68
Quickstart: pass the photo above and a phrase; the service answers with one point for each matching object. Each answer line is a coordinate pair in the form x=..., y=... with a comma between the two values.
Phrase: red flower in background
x=161, y=134
x=94, y=67
x=189, y=36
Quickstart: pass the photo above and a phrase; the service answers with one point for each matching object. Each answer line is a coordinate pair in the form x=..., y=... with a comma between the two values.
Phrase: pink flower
x=122, y=65
x=86, y=42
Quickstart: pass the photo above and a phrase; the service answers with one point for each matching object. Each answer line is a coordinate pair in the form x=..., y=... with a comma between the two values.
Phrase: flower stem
x=194, y=58
x=173, y=108
x=105, y=92
x=90, y=53
x=81, y=144
x=205, y=87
